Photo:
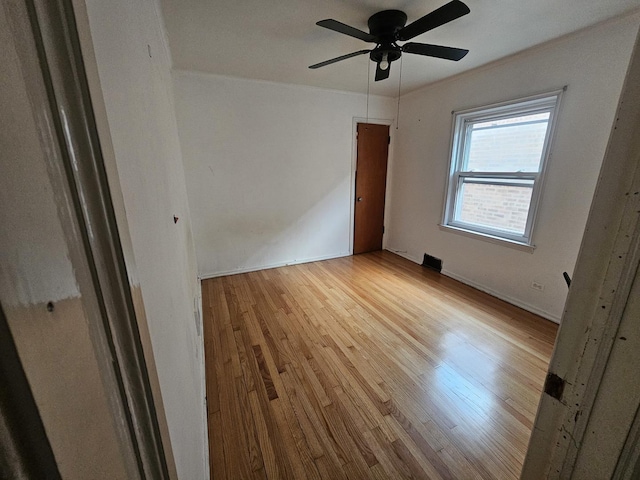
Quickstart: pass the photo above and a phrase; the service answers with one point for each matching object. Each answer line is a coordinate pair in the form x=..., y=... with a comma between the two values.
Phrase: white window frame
x=462, y=121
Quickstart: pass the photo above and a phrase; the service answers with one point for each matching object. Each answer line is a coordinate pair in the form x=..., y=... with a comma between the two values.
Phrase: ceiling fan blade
x=346, y=30
x=382, y=74
x=337, y=59
x=448, y=53
x=446, y=13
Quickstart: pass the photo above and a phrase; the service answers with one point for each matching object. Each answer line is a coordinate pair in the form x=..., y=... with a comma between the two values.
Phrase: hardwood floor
x=368, y=367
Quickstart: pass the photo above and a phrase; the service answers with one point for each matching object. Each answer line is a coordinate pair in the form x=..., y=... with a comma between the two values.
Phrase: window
x=498, y=156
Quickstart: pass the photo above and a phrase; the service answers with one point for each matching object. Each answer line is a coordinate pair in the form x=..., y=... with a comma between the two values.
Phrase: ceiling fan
x=386, y=28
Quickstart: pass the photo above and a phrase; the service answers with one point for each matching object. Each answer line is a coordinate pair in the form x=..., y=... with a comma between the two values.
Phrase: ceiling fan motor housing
x=384, y=26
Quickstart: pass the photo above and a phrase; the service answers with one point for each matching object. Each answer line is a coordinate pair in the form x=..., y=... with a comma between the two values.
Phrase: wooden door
x=371, y=181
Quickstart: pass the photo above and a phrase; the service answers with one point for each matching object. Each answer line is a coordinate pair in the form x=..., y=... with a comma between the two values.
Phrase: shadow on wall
x=264, y=235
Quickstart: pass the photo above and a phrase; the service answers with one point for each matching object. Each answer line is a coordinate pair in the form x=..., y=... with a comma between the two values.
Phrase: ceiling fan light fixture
x=384, y=63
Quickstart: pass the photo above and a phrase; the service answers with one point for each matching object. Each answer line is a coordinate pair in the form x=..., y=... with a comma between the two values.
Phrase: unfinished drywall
x=268, y=168
x=133, y=65
x=592, y=63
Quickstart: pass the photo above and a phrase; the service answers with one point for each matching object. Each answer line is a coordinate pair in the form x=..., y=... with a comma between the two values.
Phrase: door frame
x=354, y=163
x=48, y=44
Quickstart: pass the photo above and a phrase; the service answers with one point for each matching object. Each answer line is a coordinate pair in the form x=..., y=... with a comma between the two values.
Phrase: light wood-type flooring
x=368, y=367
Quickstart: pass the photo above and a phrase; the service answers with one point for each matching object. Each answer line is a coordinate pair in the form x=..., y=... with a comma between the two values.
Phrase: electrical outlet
x=537, y=286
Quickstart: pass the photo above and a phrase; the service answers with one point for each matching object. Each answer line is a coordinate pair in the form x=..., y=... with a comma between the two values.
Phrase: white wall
x=133, y=65
x=268, y=169
x=593, y=64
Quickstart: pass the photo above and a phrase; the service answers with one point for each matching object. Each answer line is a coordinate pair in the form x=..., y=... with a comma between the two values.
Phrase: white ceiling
x=276, y=40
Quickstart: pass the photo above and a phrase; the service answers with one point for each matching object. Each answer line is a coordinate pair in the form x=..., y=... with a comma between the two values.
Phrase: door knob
x=359, y=199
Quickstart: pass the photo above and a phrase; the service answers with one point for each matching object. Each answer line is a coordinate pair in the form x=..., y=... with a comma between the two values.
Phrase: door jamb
x=354, y=163
x=57, y=84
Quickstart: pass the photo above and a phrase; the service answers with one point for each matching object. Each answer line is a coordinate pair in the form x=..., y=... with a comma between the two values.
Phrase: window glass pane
x=503, y=205
x=507, y=145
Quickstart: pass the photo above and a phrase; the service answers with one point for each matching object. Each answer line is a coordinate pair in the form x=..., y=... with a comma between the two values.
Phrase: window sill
x=489, y=238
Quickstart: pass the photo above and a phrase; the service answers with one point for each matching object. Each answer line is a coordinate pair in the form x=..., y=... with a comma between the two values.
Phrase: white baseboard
x=482, y=288
x=403, y=254
x=501, y=296
x=257, y=268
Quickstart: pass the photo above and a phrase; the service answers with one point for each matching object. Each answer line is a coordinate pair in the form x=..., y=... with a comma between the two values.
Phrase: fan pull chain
x=368, y=83
x=399, y=86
